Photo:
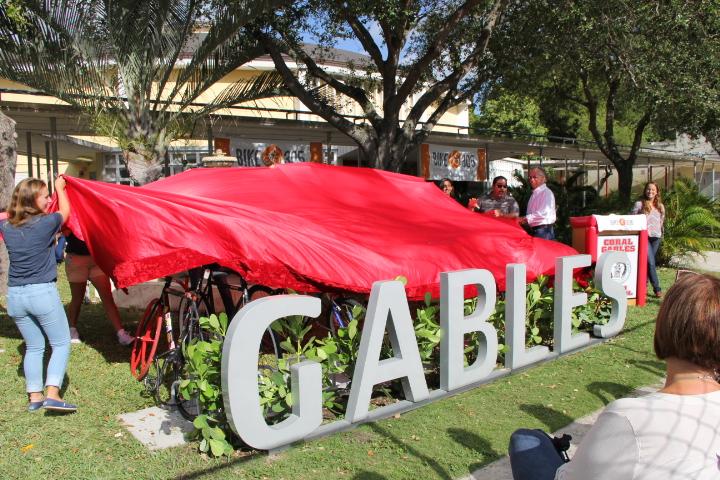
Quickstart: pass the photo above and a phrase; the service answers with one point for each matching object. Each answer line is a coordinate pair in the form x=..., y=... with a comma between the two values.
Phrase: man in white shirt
x=540, y=216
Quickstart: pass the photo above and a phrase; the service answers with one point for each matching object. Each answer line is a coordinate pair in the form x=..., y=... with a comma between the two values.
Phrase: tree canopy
x=509, y=112
x=688, y=84
x=119, y=61
x=608, y=58
x=422, y=57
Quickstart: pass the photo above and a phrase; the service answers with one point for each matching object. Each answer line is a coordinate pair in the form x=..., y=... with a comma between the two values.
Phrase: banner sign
x=388, y=311
x=625, y=273
x=633, y=223
x=259, y=154
x=449, y=162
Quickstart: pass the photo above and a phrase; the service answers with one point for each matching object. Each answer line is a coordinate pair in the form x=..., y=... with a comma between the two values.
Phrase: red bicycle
x=149, y=330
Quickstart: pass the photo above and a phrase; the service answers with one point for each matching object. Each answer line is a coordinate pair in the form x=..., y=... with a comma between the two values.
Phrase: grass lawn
x=447, y=439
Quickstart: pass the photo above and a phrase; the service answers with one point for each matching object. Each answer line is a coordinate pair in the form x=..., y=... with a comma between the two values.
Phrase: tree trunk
x=625, y=179
x=8, y=160
x=143, y=169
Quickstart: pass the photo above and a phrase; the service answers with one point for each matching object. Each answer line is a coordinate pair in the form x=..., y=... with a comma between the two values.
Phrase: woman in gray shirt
x=33, y=300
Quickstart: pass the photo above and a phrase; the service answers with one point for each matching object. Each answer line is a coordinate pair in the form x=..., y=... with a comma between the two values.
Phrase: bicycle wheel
x=341, y=313
x=147, y=337
x=269, y=345
x=189, y=321
x=163, y=377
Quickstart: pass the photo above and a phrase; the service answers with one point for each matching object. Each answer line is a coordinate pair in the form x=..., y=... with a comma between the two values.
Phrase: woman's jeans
x=533, y=456
x=37, y=309
x=653, y=247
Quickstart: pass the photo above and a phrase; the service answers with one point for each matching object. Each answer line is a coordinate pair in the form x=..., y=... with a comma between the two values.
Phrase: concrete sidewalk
x=500, y=469
x=711, y=262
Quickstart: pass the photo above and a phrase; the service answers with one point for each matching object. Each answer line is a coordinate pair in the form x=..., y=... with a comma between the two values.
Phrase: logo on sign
x=454, y=159
x=620, y=271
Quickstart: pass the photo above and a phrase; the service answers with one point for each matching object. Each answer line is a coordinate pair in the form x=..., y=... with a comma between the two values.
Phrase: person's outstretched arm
x=63, y=201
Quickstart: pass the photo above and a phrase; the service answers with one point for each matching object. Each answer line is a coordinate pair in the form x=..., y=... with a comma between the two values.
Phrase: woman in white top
x=671, y=434
x=650, y=204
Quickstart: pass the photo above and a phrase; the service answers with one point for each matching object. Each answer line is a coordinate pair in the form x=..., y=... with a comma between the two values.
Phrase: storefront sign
x=625, y=273
x=388, y=310
x=260, y=154
x=453, y=163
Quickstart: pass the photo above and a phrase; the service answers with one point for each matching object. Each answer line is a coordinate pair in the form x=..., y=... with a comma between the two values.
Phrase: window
x=115, y=171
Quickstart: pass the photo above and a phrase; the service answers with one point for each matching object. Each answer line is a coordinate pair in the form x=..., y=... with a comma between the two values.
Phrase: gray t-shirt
x=30, y=247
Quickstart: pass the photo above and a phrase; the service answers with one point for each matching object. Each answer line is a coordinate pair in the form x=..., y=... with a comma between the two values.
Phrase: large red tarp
x=307, y=226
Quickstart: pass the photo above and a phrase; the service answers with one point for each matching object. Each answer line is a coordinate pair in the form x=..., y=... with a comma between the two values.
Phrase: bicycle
x=162, y=372
x=343, y=311
x=149, y=330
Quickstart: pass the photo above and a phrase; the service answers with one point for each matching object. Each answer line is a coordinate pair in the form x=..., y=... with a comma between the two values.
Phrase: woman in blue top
x=33, y=299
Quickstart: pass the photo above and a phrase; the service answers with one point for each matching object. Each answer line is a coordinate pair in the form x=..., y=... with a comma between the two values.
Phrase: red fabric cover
x=305, y=226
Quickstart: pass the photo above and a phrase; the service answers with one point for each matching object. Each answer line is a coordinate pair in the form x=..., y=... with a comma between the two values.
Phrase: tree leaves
x=114, y=60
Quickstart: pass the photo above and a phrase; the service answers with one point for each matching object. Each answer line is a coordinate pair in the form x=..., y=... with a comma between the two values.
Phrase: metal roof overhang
x=35, y=118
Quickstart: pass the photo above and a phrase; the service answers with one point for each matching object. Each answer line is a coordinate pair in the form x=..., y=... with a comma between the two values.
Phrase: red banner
x=304, y=226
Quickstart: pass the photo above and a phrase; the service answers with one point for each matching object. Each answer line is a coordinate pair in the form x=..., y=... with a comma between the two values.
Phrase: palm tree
x=122, y=62
x=691, y=222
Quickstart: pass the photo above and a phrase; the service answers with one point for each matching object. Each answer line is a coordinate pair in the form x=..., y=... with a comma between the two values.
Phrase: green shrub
x=691, y=222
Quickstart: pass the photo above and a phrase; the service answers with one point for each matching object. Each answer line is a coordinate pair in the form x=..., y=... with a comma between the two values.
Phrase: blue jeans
x=533, y=456
x=653, y=247
x=37, y=310
x=543, y=231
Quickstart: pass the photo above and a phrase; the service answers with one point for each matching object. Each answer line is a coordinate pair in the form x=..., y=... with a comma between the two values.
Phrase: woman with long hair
x=33, y=300
x=670, y=434
x=650, y=204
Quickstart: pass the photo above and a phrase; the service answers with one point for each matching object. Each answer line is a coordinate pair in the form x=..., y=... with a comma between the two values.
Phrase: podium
x=597, y=234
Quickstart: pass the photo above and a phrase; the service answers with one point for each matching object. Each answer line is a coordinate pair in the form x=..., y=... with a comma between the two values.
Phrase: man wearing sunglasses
x=541, y=215
x=498, y=202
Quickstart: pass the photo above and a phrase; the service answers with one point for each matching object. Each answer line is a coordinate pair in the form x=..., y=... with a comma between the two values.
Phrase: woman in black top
x=80, y=267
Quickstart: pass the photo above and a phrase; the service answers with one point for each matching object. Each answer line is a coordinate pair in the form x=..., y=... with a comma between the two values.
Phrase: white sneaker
x=124, y=337
x=74, y=335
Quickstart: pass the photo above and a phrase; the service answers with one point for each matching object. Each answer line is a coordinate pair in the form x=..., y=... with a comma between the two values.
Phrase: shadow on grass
x=655, y=367
x=429, y=461
x=368, y=476
x=551, y=418
x=95, y=331
x=218, y=468
x=46, y=358
x=609, y=391
x=484, y=450
x=638, y=326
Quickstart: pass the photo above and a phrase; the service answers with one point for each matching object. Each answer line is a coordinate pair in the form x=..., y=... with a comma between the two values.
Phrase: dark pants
x=653, y=247
x=533, y=455
x=543, y=231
